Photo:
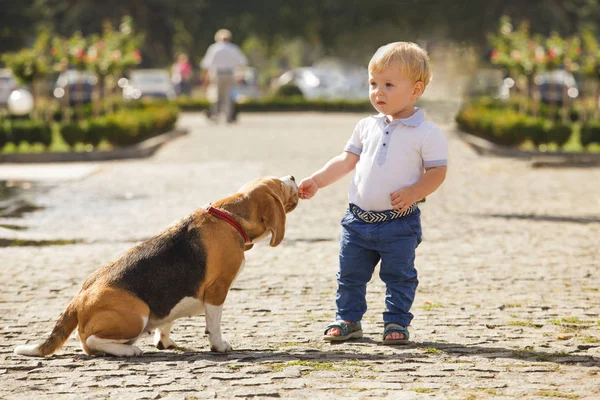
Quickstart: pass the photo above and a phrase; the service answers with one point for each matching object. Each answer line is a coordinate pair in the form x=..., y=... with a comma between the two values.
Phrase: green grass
x=424, y=390
x=432, y=350
x=589, y=339
x=524, y=323
x=314, y=365
x=430, y=306
x=513, y=305
x=555, y=393
x=571, y=320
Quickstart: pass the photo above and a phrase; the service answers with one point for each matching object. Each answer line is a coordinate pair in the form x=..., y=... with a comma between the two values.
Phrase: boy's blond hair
x=409, y=57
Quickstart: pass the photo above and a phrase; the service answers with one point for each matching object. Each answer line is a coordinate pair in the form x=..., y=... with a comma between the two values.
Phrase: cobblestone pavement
x=508, y=305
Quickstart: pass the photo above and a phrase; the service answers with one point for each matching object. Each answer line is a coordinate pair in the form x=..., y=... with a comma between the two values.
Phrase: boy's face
x=393, y=94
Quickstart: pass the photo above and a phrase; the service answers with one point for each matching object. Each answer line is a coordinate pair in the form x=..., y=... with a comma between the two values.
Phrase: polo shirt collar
x=412, y=121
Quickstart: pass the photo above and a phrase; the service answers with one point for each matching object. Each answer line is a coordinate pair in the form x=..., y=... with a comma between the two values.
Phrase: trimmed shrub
x=124, y=129
x=509, y=128
x=590, y=133
x=96, y=131
x=559, y=134
x=73, y=133
x=289, y=90
x=3, y=134
x=533, y=129
x=28, y=131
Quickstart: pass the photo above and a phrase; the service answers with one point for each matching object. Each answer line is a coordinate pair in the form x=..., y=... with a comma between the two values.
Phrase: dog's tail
x=65, y=325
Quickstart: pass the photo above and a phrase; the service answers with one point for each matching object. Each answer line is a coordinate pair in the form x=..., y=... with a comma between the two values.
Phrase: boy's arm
x=429, y=182
x=334, y=170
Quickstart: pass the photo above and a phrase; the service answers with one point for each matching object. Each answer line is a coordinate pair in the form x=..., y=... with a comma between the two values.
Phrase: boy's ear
x=418, y=89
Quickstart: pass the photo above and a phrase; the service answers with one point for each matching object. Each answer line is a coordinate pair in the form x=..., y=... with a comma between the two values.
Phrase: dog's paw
x=165, y=343
x=126, y=351
x=221, y=347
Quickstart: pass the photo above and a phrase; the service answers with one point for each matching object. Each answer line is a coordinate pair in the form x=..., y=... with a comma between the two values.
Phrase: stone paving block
x=508, y=303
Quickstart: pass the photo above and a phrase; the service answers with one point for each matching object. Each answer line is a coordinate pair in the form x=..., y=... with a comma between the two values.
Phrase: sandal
x=352, y=330
x=389, y=328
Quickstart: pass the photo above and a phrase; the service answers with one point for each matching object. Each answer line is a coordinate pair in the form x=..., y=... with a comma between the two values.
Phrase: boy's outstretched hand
x=307, y=188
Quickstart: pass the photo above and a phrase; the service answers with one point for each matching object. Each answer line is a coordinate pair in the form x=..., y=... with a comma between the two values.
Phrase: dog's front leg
x=161, y=337
x=213, y=329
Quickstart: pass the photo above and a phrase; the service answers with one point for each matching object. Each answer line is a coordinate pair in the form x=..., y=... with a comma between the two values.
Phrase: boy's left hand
x=403, y=198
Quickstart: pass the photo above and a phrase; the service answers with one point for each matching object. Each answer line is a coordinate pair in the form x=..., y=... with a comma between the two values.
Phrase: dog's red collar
x=229, y=219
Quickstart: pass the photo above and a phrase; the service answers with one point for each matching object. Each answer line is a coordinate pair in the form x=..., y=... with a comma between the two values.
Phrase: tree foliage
x=346, y=28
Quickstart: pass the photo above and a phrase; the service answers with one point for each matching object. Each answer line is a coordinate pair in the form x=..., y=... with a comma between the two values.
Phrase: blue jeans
x=362, y=246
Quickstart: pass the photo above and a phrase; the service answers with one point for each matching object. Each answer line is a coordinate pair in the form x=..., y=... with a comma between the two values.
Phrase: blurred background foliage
x=291, y=32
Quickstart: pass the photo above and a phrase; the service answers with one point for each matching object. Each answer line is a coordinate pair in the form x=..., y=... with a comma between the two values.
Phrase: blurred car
x=148, y=83
x=553, y=87
x=7, y=85
x=556, y=86
x=326, y=83
x=247, y=87
x=80, y=85
x=487, y=82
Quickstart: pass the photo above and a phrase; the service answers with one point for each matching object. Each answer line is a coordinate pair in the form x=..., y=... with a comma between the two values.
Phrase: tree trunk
x=66, y=116
x=596, y=100
x=552, y=108
x=80, y=114
x=96, y=105
x=34, y=94
x=535, y=99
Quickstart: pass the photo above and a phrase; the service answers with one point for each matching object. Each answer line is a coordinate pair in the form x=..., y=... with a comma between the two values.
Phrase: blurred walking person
x=181, y=74
x=222, y=61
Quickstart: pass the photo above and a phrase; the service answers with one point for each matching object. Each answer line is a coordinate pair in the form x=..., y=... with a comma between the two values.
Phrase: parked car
x=148, y=83
x=80, y=85
x=487, y=82
x=247, y=88
x=326, y=83
x=7, y=85
x=553, y=87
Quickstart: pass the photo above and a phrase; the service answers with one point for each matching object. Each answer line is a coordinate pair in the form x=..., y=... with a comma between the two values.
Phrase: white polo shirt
x=392, y=156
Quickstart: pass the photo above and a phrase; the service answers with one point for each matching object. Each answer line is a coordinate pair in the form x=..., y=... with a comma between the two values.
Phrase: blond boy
x=398, y=158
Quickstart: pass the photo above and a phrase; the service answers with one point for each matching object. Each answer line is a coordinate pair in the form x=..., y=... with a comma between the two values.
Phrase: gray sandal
x=352, y=330
x=388, y=328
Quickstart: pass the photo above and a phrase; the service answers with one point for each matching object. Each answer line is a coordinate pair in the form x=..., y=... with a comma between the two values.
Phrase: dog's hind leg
x=161, y=337
x=113, y=323
x=115, y=347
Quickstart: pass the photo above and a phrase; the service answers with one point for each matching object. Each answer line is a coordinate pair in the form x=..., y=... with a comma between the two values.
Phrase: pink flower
x=551, y=54
x=516, y=55
x=494, y=55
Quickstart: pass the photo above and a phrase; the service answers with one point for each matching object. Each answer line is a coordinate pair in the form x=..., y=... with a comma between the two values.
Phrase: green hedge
x=24, y=130
x=509, y=128
x=123, y=128
x=128, y=126
x=282, y=103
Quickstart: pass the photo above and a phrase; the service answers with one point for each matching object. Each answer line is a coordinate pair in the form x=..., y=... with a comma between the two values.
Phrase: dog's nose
x=292, y=178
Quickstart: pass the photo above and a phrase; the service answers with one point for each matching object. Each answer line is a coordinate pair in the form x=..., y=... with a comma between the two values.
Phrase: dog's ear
x=273, y=218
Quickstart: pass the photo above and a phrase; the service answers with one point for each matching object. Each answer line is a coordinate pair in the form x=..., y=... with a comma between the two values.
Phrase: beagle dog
x=184, y=271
